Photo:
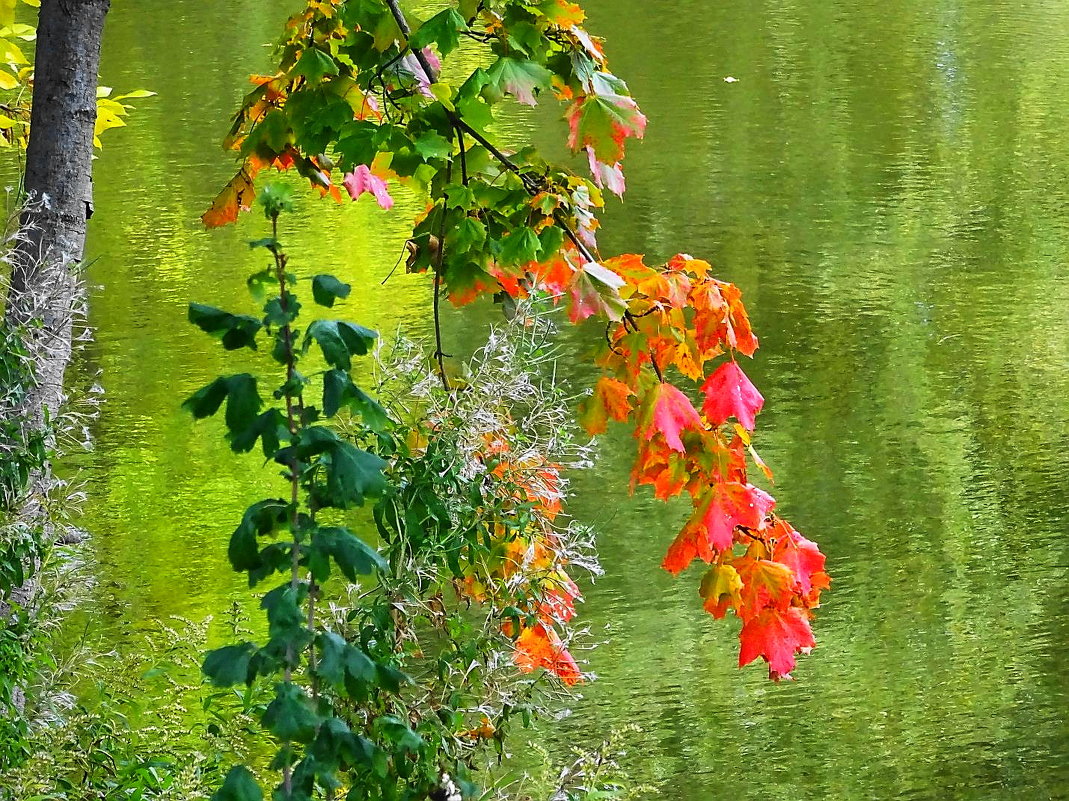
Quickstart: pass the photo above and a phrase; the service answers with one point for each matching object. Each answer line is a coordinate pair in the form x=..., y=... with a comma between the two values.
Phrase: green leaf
x=604, y=122
x=468, y=234
x=242, y=402
x=206, y=401
x=236, y=330
x=353, y=475
x=238, y=786
x=269, y=427
x=262, y=518
x=443, y=29
x=326, y=289
x=339, y=391
x=340, y=341
x=331, y=663
x=433, y=146
x=353, y=556
x=229, y=665
x=400, y=732
x=338, y=660
x=336, y=384
x=290, y=716
x=357, y=144
x=284, y=616
x=314, y=64
x=520, y=247
x=277, y=314
x=551, y=240
x=520, y=78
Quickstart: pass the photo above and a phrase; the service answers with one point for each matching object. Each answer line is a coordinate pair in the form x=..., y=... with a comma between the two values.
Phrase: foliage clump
x=396, y=670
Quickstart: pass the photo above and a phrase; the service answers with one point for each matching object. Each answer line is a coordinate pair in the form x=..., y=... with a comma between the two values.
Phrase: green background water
x=888, y=184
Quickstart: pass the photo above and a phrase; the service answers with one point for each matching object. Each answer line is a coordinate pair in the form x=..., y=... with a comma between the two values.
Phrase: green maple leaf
x=603, y=122
x=519, y=78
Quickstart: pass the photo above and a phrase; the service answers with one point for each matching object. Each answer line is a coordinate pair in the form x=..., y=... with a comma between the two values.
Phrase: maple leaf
x=735, y=504
x=610, y=400
x=739, y=334
x=802, y=556
x=711, y=528
x=776, y=635
x=636, y=274
x=720, y=317
x=541, y=647
x=595, y=289
x=362, y=180
x=519, y=78
x=606, y=176
x=413, y=67
x=765, y=584
x=720, y=588
x=562, y=12
x=603, y=122
x=660, y=466
x=553, y=275
x=682, y=551
x=668, y=411
x=236, y=196
x=729, y=393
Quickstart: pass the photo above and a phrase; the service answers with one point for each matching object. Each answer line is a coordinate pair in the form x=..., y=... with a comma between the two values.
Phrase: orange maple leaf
x=776, y=635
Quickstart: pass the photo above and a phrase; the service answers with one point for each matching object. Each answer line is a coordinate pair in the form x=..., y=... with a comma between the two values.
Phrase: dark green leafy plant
x=397, y=671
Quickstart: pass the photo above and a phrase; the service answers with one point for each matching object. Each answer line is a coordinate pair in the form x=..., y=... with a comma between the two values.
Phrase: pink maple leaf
x=729, y=393
x=362, y=180
x=607, y=176
x=672, y=412
x=412, y=65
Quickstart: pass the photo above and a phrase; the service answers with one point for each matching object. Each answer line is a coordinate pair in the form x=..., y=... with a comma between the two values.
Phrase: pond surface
x=889, y=184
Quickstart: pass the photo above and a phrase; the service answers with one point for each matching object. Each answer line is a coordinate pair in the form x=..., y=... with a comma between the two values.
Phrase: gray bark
x=58, y=182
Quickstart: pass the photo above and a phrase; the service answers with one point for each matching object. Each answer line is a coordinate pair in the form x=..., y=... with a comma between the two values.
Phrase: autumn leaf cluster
x=364, y=100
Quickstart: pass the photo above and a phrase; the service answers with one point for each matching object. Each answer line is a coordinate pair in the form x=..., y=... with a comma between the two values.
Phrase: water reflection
x=888, y=184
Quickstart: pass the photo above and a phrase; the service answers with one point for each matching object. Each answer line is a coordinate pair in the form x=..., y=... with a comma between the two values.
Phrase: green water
x=889, y=183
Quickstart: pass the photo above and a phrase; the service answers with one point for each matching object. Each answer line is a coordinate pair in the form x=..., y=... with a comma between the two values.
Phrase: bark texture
x=58, y=182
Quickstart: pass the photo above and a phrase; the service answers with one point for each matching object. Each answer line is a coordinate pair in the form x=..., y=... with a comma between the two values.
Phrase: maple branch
x=629, y=318
x=608, y=341
x=458, y=122
x=463, y=154
x=439, y=258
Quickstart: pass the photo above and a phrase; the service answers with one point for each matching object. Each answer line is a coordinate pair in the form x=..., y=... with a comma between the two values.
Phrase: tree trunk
x=58, y=182
x=45, y=293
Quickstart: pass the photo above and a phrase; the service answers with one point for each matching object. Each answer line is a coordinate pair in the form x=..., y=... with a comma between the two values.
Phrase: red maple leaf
x=734, y=504
x=668, y=411
x=729, y=393
x=802, y=556
x=711, y=529
x=776, y=635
